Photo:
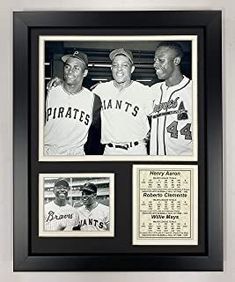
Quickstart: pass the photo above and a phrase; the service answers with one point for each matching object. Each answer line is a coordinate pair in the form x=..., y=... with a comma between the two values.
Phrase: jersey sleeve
x=190, y=102
x=185, y=105
x=149, y=101
x=47, y=98
x=47, y=105
x=97, y=89
x=156, y=95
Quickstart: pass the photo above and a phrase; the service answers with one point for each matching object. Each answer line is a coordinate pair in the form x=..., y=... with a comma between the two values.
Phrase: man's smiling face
x=74, y=71
x=122, y=69
x=61, y=192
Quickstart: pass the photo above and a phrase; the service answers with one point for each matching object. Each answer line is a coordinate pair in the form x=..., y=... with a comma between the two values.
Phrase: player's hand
x=62, y=226
x=55, y=81
x=78, y=227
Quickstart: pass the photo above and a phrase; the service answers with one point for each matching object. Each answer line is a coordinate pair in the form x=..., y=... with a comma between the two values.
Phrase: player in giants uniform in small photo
x=70, y=109
x=58, y=214
x=126, y=105
x=93, y=216
x=171, y=128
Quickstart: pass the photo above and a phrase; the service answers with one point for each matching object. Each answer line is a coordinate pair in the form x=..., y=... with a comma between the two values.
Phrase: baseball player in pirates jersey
x=69, y=110
x=171, y=128
x=93, y=216
x=58, y=214
x=125, y=107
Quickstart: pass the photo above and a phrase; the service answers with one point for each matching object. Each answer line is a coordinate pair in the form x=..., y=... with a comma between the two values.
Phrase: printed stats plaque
x=165, y=207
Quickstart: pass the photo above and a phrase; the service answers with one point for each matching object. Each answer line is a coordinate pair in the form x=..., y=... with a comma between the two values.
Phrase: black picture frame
x=55, y=254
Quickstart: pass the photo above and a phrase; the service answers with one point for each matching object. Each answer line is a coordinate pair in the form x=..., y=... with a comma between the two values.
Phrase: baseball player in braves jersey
x=125, y=107
x=93, y=216
x=58, y=214
x=171, y=128
x=69, y=110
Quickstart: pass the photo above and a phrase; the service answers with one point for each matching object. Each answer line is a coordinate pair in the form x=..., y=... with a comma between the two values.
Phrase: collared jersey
x=124, y=113
x=68, y=118
x=57, y=217
x=96, y=219
x=171, y=126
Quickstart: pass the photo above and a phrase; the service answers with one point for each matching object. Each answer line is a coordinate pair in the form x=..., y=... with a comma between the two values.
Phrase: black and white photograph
x=111, y=98
x=76, y=205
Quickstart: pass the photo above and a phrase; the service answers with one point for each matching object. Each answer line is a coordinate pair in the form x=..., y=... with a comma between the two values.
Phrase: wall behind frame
x=6, y=163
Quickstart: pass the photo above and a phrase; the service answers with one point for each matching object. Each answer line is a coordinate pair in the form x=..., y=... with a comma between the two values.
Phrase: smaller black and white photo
x=76, y=205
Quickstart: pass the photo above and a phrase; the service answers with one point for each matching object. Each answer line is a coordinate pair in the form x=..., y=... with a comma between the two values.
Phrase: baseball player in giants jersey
x=125, y=107
x=58, y=214
x=171, y=127
x=69, y=110
x=93, y=216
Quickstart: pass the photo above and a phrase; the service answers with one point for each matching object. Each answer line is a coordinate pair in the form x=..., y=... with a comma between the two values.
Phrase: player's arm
x=93, y=145
x=107, y=219
x=77, y=225
x=96, y=120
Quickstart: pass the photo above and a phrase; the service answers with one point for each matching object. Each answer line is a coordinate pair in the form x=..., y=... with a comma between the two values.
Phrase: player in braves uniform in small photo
x=171, y=127
x=93, y=216
x=126, y=105
x=58, y=214
x=69, y=109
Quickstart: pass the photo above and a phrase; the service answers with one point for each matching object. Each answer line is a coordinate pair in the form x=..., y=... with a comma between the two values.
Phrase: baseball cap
x=61, y=182
x=77, y=54
x=89, y=187
x=121, y=51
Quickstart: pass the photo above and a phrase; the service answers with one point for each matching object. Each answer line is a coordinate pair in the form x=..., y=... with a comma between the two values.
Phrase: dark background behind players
x=99, y=62
x=99, y=69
